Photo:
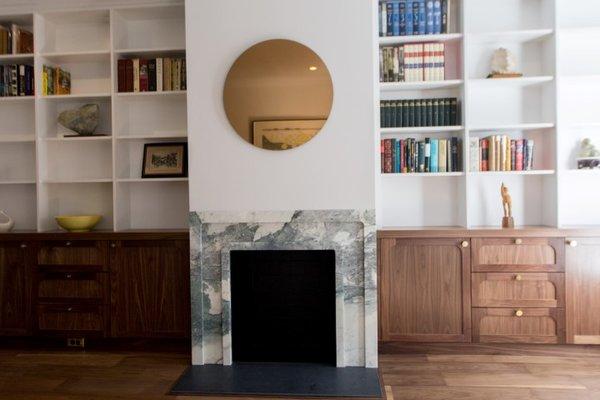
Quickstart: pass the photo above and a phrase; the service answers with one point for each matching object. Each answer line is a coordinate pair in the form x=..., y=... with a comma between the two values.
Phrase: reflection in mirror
x=278, y=94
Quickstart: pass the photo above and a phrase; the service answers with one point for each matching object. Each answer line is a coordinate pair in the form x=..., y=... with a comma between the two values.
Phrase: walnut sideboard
x=529, y=285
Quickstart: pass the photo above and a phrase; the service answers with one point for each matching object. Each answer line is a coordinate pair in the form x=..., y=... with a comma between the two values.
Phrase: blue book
x=430, y=24
x=402, y=12
x=437, y=16
x=396, y=18
x=390, y=16
x=397, y=160
x=408, y=16
x=415, y=11
x=433, y=160
x=422, y=17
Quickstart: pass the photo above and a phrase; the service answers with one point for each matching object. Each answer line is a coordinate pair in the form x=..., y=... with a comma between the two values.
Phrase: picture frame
x=165, y=160
x=284, y=134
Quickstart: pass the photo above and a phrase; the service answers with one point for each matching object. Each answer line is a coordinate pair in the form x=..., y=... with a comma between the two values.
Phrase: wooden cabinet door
x=150, y=292
x=15, y=288
x=583, y=291
x=424, y=290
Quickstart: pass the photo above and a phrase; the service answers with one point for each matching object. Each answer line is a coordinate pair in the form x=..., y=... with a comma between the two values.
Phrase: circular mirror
x=278, y=95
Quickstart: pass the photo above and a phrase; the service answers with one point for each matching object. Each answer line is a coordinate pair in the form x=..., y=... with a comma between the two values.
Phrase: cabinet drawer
x=513, y=325
x=518, y=289
x=518, y=255
x=68, y=286
x=56, y=318
x=72, y=252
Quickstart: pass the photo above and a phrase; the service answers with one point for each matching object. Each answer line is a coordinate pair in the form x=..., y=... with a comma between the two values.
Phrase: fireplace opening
x=283, y=306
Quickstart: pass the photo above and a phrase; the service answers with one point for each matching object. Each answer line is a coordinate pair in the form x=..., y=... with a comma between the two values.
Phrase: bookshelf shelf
x=428, y=129
x=15, y=99
x=514, y=127
x=152, y=137
x=426, y=174
x=518, y=36
x=76, y=181
x=16, y=138
x=77, y=56
x=146, y=94
x=151, y=180
x=95, y=138
x=16, y=58
x=514, y=82
x=75, y=96
x=447, y=37
x=425, y=85
x=150, y=52
x=532, y=172
x=18, y=182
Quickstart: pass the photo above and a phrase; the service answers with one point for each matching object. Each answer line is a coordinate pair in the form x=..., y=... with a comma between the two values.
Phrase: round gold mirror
x=278, y=94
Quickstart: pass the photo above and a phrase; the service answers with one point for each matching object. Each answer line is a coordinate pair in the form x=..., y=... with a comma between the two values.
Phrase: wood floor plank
x=511, y=380
x=436, y=393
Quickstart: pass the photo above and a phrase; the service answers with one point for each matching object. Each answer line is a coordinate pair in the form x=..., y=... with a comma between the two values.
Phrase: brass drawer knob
x=519, y=313
x=69, y=276
x=518, y=277
x=23, y=246
x=113, y=245
x=68, y=243
x=465, y=244
x=70, y=309
x=518, y=241
x=572, y=243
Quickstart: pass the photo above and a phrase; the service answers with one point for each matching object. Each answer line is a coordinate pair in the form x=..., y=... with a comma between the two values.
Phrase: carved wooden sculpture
x=507, y=220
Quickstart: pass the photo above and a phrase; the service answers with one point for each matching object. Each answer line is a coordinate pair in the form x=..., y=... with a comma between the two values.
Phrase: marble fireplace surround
x=350, y=233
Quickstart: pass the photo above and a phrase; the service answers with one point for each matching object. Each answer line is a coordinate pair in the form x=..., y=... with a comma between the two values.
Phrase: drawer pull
x=465, y=244
x=68, y=243
x=70, y=309
x=69, y=276
x=518, y=241
x=518, y=277
x=519, y=313
x=572, y=243
x=23, y=246
x=113, y=245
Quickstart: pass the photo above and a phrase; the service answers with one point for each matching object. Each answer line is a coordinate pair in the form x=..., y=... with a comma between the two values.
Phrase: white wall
x=335, y=170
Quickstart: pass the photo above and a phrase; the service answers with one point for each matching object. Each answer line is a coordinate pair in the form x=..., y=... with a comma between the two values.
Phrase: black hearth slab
x=279, y=379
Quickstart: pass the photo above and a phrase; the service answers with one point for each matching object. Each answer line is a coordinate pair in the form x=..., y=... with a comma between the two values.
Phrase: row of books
x=153, y=75
x=413, y=17
x=500, y=153
x=429, y=155
x=15, y=40
x=55, y=80
x=412, y=63
x=16, y=80
x=419, y=113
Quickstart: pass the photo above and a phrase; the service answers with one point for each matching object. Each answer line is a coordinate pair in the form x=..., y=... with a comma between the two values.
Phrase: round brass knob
x=572, y=243
x=518, y=277
x=69, y=276
x=519, y=313
x=518, y=241
x=465, y=243
x=68, y=243
x=23, y=246
x=70, y=309
x=113, y=245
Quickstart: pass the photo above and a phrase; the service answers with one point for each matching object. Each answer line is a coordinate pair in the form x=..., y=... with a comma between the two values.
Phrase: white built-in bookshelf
x=555, y=103
x=43, y=174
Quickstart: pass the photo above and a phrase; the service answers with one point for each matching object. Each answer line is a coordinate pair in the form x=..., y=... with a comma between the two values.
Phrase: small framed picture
x=165, y=160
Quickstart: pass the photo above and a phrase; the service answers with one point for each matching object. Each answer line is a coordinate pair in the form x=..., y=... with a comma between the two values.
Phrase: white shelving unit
x=554, y=103
x=43, y=174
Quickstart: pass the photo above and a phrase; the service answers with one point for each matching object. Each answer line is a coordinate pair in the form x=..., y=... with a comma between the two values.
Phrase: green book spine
x=429, y=112
x=418, y=113
x=382, y=114
x=447, y=112
x=393, y=111
x=436, y=112
x=399, y=112
x=405, y=113
x=454, y=112
x=411, y=113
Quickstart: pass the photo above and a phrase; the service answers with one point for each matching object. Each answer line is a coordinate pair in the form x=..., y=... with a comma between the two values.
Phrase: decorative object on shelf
x=503, y=63
x=83, y=120
x=6, y=222
x=507, y=220
x=78, y=223
x=589, y=156
x=285, y=88
x=165, y=160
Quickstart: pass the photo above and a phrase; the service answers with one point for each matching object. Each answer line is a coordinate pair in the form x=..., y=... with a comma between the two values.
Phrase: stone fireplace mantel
x=350, y=233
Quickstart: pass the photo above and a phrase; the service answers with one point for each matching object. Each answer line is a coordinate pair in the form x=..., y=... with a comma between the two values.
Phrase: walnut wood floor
x=423, y=372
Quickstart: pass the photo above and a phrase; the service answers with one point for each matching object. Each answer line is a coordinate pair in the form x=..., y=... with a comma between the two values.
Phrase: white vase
x=6, y=222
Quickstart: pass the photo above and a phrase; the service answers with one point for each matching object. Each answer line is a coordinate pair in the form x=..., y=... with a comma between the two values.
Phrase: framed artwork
x=165, y=160
x=284, y=134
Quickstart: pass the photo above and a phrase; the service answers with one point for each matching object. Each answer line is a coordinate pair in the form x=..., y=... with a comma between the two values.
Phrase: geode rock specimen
x=83, y=120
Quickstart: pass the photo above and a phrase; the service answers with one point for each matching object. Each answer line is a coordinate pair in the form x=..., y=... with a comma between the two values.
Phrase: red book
x=382, y=151
x=129, y=75
x=519, y=155
x=387, y=156
x=485, y=145
x=121, y=75
x=143, y=75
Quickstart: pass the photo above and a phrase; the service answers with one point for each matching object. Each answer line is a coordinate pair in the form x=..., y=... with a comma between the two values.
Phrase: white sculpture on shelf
x=503, y=64
x=6, y=222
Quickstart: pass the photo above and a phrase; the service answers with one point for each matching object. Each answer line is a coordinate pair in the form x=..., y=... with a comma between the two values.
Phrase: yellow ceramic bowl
x=78, y=223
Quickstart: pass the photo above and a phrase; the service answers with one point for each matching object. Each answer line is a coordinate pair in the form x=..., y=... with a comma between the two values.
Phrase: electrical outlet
x=75, y=342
